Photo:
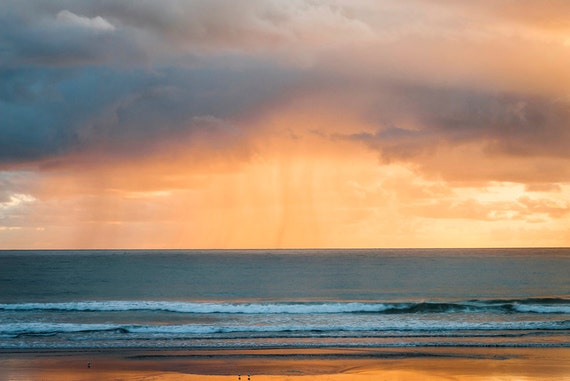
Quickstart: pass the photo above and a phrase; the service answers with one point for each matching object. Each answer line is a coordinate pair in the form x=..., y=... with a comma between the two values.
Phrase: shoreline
x=287, y=364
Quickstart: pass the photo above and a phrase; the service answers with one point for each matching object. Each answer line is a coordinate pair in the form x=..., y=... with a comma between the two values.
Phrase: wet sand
x=302, y=364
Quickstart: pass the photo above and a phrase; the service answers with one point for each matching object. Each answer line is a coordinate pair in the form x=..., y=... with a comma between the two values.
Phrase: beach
x=279, y=365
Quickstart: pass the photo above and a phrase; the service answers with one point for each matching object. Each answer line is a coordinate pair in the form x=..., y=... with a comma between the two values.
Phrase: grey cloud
x=32, y=33
x=245, y=25
x=14, y=183
x=188, y=22
x=97, y=23
x=16, y=200
x=75, y=75
x=53, y=112
x=507, y=124
x=71, y=32
x=79, y=75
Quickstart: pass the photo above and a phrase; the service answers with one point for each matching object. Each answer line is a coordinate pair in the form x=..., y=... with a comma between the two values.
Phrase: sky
x=284, y=123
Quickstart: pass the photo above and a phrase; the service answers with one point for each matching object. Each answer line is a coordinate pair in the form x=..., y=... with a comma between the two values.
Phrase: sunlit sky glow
x=284, y=123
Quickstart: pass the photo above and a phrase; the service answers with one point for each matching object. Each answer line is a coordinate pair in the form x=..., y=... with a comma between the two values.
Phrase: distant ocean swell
x=533, y=305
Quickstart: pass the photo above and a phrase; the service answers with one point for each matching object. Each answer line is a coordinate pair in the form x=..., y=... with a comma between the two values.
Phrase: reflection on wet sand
x=282, y=365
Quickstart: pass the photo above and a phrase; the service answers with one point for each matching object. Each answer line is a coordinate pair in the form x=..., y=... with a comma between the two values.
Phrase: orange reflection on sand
x=521, y=364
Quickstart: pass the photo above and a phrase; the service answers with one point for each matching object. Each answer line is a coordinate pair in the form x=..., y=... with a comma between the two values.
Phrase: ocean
x=382, y=298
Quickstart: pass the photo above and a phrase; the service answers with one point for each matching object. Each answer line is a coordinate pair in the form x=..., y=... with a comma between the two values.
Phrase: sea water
x=285, y=298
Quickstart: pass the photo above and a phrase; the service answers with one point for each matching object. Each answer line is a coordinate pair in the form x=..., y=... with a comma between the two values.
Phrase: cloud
x=551, y=15
x=86, y=77
x=524, y=208
x=97, y=23
x=423, y=126
x=56, y=112
x=46, y=35
x=425, y=78
x=134, y=32
x=16, y=200
x=14, y=209
x=250, y=26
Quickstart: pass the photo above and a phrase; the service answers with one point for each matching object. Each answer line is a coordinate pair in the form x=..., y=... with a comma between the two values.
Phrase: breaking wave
x=537, y=305
x=44, y=329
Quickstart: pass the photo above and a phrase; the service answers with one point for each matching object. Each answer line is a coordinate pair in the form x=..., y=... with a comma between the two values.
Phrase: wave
x=45, y=329
x=203, y=308
x=536, y=305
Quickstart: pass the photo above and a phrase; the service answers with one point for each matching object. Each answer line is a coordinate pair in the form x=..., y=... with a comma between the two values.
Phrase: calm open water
x=285, y=298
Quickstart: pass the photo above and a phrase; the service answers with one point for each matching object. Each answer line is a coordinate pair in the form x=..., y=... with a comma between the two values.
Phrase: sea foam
x=542, y=306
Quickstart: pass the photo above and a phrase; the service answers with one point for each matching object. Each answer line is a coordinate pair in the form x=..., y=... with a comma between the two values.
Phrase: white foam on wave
x=296, y=308
x=39, y=328
x=47, y=328
x=204, y=308
x=542, y=309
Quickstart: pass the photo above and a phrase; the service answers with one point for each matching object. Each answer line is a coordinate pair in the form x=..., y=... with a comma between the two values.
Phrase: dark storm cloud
x=121, y=76
x=58, y=111
x=43, y=35
x=75, y=32
x=198, y=23
x=413, y=121
x=77, y=76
